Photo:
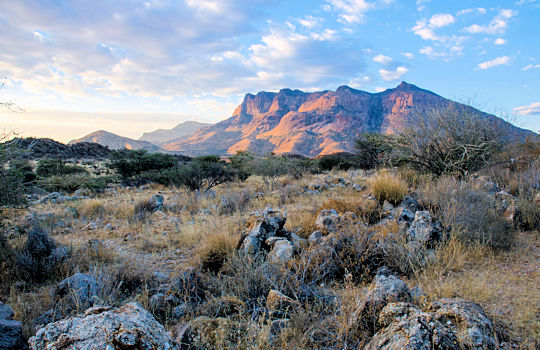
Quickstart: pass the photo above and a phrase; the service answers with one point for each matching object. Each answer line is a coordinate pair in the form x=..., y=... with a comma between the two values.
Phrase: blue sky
x=132, y=66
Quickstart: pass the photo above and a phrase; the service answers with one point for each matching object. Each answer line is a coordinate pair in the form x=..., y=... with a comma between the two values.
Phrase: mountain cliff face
x=311, y=124
x=163, y=136
x=114, y=141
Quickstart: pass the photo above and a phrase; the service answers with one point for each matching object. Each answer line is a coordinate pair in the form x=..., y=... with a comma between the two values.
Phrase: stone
x=272, y=240
x=315, y=237
x=78, y=291
x=387, y=206
x=473, y=328
x=6, y=313
x=423, y=229
x=11, y=336
x=157, y=201
x=410, y=204
x=281, y=253
x=297, y=241
x=357, y=187
x=127, y=327
x=348, y=217
x=161, y=303
x=327, y=220
x=404, y=215
x=209, y=333
x=385, y=288
x=408, y=328
x=269, y=224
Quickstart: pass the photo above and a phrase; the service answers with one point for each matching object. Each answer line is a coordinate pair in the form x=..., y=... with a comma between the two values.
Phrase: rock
x=6, y=313
x=537, y=199
x=315, y=237
x=78, y=291
x=473, y=328
x=127, y=327
x=11, y=336
x=281, y=253
x=403, y=215
x=272, y=240
x=209, y=333
x=188, y=285
x=157, y=201
x=406, y=327
x=423, y=229
x=410, y=204
x=179, y=311
x=161, y=303
x=279, y=304
x=269, y=224
x=387, y=206
x=327, y=220
x=358, y=187
x=348, y=217
x=385, y=288
x=297, y=241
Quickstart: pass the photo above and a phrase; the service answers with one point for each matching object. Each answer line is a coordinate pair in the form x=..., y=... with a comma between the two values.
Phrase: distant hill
x=116, y=142
x=318, y=123
x=162, y=136
x=36, y=148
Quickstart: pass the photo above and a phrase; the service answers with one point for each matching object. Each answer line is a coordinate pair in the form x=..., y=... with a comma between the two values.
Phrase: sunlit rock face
x=310, y=124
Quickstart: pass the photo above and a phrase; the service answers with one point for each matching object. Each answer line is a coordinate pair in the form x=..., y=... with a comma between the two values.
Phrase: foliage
x=373, y=150
x=242, y=163
x=270, y=168
x=202, y=173
x=71, y=183
x=11, y=180
x=56, y=167
x=130, y=163
x=339, y=161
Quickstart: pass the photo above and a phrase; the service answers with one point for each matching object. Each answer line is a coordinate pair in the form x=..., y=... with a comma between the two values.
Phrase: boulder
x=424, y=229
x=406, y=327
x=157, y=201
x=269, y=224
x=11, y=336
x=161, y=304
x=281, y=253
x=315, y=237
x=78, y=291
x=473, y=328
x=385, y=288
x=127, y=327
x=327, y=220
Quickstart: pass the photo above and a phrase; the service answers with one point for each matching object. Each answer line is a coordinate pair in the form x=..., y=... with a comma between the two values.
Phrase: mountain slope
x=163, y=136
x=114, y=141
x=312, y=124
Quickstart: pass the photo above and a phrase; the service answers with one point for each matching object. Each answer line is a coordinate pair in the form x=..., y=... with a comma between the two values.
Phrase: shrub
x=387, y=186
x=71, y=183
x=131, y=164
x=11, y=182
x=468, y=213
x=270, y=168
x=242, y=163
x=143, y=209
x=203, y=173
x=93, y=208
x=55, y=167
x=338, y=161
x=373, y=151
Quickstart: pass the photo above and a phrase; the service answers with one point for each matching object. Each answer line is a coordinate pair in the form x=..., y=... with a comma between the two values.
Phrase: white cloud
x=353, y=11
x=408, y=55
x=499, y=41
x=309, y=21
x=390, y=75
x=441, y=20
x=497, y=25
x=382, y=59
x=532, y=109
x=479, y=10
x=494, y=62
x=531, y=66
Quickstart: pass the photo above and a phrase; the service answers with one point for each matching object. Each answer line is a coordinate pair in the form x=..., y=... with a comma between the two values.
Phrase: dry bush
x=528, y=213
x=302, y=222
x=414, y=178
x=143, y=210
x=387, y=186
x=216, y=249
x=366, y=209
x=234, y=201
x=468, y=213
x=93, y=209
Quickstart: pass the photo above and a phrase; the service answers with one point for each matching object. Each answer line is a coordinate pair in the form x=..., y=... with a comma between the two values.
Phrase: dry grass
x=387, y=186
x=92, y=209
x=216, y=249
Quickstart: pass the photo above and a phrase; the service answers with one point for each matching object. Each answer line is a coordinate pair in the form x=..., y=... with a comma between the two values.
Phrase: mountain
x=37, y=148
x=314, y=124
x=163, y=136
x=114, y=141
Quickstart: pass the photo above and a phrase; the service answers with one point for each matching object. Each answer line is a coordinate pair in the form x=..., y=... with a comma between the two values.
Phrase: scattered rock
x=327, y=220
x=157, y=201
x=358, y=187
x=281, y=253
x=387, y=206
x=406, y=327
x=315, y=237
x=424, y=229
x=78, y=291
x=162, y=303
x=269, y=224
x=127, y=327
x=473, y=328
x=11, y=337
x=349, y=217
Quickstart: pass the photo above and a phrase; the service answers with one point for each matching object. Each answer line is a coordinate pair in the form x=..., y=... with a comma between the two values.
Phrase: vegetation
x=56, y=167
x=386, y=186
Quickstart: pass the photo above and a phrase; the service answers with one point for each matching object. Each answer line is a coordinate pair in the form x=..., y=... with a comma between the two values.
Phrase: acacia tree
x=452, y=140
x=270, y=168
x=203, y=173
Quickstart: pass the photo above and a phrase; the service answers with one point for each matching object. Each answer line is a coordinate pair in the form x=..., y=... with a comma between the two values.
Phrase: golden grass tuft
x=93, y=208
x=387, y=186
x=216, y=249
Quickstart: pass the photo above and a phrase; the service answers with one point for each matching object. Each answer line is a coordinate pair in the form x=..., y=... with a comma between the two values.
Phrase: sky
x=127, y=66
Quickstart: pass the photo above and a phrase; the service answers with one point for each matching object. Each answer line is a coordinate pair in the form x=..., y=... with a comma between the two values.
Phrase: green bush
x=202, y=173
x=71, y=183
x=270, y=168
x=56, y=167
x=11, y=180
x=242, y=163
x=129, y=164
x=373, y=151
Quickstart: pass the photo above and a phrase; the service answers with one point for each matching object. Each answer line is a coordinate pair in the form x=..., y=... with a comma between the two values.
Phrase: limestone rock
x=11, y=337
x=424, y=229
x=127, y=327
x=281, y=253
x=327, y=220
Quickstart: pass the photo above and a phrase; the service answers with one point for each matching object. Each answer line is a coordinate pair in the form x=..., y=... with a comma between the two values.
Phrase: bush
x=131, y=164
x=242, y=163
x=387, y=186
x=71, y=183
x=270, y=168
x=338, y=161
x=202, y=173
x=57, y=167
x=467, y=213
x=11, y=180
x=373, y=151
x=216, y=249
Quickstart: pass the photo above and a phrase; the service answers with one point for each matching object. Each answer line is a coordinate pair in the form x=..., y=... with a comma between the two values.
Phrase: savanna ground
x=202, y=231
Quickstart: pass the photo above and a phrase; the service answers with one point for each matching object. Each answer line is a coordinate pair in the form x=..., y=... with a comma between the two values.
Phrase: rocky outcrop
x=315, y=124
x=268, y=223
x=424, y=229
x=11, y=337
x=127, y=327
x=327, y=220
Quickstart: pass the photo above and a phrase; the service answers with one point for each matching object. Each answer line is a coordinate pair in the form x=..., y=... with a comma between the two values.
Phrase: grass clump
x=216, y=249
x=387, y=186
